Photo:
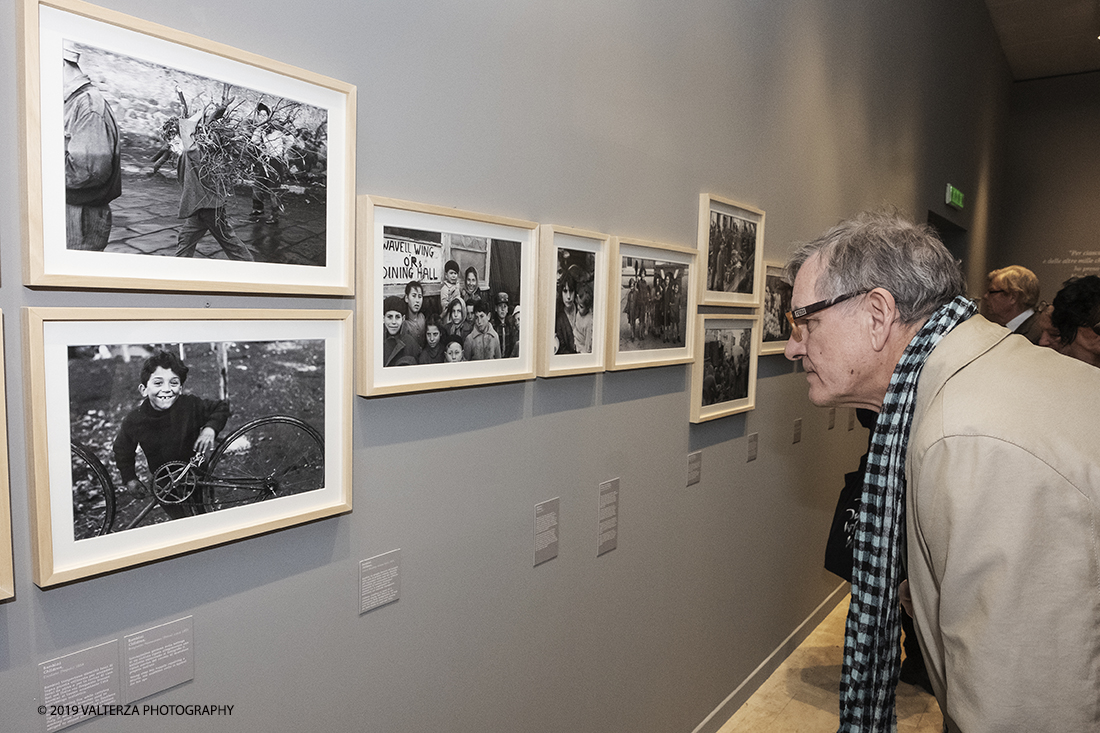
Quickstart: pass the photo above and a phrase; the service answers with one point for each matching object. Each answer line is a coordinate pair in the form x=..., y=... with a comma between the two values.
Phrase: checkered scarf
x=873, y=632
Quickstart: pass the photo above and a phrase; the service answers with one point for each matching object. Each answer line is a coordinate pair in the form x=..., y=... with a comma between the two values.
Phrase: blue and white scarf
x=873, y=632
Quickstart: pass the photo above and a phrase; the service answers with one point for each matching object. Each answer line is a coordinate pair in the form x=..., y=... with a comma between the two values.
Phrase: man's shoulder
x=985, y=382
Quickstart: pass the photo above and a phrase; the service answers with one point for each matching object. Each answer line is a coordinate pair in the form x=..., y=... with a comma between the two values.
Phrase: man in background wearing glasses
x=982, y=483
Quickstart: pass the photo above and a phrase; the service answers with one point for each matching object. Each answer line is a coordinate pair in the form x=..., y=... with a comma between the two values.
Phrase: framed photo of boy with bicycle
x=160, y=160
x=162, y=431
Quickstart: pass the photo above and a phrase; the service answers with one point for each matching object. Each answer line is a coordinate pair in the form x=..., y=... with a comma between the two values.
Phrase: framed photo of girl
x=159, y=160
x=651, y=291
x=775, y=330
x=731, y=240
x=723, y=377
x=162, y=431
x=572, y=301
x=447, y=298
x=7, y=571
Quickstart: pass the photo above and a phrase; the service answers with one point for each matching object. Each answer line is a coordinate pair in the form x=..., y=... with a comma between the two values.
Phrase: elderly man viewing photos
x=982, y=486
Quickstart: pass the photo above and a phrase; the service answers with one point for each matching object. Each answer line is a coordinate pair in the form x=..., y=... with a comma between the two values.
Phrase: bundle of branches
x=234, y=151
x=222, y=145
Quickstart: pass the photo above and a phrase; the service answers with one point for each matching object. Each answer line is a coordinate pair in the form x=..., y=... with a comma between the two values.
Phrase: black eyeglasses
x=799, y=313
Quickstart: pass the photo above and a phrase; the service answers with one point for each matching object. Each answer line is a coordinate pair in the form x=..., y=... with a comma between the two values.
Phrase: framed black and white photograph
x=161, y=431
x=572, y=301
x=731, y=240
x=161, y=160
x=652, y=295
x=775, y=330
x=723, y=377
x=447, y=298
x=7, y=569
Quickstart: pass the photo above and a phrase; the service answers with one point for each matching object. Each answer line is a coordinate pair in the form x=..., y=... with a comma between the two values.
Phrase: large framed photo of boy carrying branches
x=446, y=298
x=158, y=432
x=159, y=160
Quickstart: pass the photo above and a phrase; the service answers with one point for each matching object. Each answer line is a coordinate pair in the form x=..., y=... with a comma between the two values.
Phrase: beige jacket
x=1003, y=521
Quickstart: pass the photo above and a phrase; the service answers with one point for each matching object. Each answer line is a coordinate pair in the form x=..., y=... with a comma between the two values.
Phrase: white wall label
x=695, y=467
x=379, y=580
x=78, y=686
x=546, y=531
x=608, y=517
x=159, y=658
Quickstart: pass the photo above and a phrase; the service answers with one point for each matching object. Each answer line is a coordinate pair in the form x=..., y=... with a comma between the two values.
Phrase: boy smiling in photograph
x=168, y=425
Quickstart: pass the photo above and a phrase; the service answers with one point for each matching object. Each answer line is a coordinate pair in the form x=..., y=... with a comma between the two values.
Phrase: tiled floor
x=801, y=695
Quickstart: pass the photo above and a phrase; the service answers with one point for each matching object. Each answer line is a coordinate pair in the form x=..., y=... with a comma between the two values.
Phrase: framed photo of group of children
x=447, y=298
x=731, y=243
x=157, y=432
x=161, y=160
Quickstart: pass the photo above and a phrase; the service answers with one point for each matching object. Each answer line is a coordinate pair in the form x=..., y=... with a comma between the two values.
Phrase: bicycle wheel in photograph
x=264, y=459
x=93, y=494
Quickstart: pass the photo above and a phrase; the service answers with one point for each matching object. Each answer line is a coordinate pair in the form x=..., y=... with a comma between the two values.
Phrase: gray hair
x=878, y=249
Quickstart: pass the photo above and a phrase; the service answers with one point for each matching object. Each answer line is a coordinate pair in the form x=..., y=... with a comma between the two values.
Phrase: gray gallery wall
x=1049, y=205
x=612, y=116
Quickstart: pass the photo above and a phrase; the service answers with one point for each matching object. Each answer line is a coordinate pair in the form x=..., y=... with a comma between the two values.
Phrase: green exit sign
x=954, y=197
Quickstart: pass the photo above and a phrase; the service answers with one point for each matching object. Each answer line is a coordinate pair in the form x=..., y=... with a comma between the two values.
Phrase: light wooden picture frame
x=7, y=565
x=652, y=294
x=775, y=330
x=731, y=243
x=264, y=202
x=723, y=377
x=573, y=302
x=275, y=386
x=403, y=243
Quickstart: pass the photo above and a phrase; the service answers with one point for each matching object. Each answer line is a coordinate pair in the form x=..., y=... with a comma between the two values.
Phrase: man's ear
x=883, y=314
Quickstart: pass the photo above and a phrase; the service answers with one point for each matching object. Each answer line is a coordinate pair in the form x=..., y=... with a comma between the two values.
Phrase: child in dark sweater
x=168, y=425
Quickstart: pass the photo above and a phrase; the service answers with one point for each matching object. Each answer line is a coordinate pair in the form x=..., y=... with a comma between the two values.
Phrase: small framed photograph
x=731, y=240
x=447, y=298
x=723, y=378
x=7, y=571
x=776, y=330
x=572, y=301
x=652, y=296
x=159, y=160
x=162, y=431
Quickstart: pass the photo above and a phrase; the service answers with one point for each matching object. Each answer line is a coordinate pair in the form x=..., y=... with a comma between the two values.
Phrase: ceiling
x=1044, y=38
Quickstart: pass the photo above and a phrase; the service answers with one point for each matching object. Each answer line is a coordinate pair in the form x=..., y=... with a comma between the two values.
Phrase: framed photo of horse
x=652, y=302
x=162, y=431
